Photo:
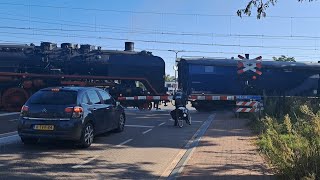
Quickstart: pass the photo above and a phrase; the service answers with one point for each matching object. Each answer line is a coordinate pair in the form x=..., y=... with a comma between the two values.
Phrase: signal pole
x=175, y=67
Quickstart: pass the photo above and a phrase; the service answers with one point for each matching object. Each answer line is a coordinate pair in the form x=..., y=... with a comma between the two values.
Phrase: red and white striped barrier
x=148, y=98
x=246, y=110
x=212, y=98
x=248, y=106
x=168, y=98
x=247, y=103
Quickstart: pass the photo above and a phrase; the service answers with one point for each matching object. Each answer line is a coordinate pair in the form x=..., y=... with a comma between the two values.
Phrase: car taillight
x=24, y=110
x=76, y=111
x=68, y=110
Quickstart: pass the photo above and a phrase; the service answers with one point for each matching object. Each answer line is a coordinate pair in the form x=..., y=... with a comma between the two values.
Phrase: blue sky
x=207, y=28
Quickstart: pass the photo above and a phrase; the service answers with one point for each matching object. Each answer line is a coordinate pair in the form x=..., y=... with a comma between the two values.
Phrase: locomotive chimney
x=129, y=46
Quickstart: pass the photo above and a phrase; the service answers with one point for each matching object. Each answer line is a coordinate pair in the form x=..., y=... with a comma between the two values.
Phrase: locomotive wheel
x=14, y=98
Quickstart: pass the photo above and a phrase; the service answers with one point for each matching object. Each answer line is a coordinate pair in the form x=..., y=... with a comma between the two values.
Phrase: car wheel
x=121, y=123
x=29, y=141
x=87, y=136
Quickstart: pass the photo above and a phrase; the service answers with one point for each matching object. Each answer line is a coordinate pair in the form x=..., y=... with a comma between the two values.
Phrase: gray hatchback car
x=69, y=113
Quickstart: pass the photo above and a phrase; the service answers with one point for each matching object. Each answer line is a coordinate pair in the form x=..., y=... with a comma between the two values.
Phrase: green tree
x=284, y=58
x=260, y=6
x=169, y=78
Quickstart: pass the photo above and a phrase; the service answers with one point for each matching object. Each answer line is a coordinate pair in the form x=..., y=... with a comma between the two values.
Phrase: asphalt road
x=8, y=122
x=149, y=148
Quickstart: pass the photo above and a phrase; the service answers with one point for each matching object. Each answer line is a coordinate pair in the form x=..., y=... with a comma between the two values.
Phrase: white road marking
x=8, y=114
x=85, y=162
x=146, y=131
x=189, y=149
x=125, y=142
x=198, y=121
x=172, y=165
x=162, y=124
x=174, y=169
x=139, y=126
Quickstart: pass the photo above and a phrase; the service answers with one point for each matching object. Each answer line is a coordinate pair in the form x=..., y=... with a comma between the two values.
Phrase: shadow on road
x=43, y=161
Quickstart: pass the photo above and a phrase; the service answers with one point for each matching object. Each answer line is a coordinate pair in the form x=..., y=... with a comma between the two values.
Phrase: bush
x=292, y=141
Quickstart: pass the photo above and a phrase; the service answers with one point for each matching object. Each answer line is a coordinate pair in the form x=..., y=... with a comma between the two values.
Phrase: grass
x=290, y=137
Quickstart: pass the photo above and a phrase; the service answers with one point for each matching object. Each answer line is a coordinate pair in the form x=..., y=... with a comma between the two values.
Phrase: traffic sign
x=246, y=64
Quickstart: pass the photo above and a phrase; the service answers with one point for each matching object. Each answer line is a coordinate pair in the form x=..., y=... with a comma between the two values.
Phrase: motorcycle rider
x=180, y=99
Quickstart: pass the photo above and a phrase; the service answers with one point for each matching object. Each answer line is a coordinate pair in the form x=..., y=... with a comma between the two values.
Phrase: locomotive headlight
x=184, y=115
x=98, y=57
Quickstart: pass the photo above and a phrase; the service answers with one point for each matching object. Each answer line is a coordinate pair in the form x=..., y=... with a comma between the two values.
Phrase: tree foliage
x=260, y=6
x=169, y=78
x=284, y=59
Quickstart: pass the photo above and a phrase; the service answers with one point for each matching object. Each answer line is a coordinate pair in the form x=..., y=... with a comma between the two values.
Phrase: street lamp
x=175, y=67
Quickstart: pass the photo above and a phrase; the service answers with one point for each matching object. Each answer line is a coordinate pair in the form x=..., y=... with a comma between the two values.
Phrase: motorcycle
x=181, y=114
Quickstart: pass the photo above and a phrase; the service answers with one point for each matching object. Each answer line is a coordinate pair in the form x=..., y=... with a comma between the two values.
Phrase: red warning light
x=254, y=77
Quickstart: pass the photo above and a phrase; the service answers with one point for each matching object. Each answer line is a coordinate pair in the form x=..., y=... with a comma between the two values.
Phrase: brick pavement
x=226, y=151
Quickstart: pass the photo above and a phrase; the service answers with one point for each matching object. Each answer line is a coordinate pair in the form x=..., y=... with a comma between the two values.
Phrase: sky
x=196, y=28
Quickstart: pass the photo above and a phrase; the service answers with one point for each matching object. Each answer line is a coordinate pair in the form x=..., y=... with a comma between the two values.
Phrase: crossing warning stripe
x=249, y=65
x=247, y=103
x=192, y=97
x=212, y=98
x=246, y=110
x=149, y=98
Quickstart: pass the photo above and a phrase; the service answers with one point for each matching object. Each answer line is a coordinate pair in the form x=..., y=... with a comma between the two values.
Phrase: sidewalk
x=226, y=151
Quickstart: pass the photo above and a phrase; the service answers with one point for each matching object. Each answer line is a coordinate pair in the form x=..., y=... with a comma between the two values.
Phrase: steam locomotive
x=24, y=69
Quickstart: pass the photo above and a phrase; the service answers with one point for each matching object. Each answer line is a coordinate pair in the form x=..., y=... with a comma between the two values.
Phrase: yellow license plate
x=43, y=127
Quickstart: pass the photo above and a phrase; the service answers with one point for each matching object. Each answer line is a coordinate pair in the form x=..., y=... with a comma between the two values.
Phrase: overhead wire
x=111, y=29
x=122, y=30
x=165, y=42
x=187, y=51
x=155, y=49
x=156, y=32
x=234, y=53
x=150, y=12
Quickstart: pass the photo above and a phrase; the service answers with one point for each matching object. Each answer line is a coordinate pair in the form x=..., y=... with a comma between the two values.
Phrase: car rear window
x=54, y=98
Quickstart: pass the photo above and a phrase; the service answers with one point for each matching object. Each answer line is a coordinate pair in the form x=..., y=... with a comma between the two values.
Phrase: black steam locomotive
x=26, y=68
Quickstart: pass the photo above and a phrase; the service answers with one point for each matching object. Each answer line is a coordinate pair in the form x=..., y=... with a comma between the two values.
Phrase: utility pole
x=175, y=67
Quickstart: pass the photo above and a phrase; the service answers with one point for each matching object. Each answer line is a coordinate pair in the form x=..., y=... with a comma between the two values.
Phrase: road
x=149, y=148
